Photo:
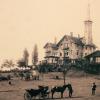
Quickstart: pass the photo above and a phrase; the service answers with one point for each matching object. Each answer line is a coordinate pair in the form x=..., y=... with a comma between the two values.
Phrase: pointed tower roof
x=88, y=15
x=88, y=11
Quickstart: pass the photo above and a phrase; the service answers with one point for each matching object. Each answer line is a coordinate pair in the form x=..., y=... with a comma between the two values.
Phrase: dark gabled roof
x=54, y=46
x=76, y=40
x=94, y=54
x=91, y=45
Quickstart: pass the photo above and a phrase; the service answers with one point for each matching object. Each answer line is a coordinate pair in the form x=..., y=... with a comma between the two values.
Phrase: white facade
x=75, y=49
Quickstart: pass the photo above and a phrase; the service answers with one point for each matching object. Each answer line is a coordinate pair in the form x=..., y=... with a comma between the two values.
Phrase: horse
x=60, y=89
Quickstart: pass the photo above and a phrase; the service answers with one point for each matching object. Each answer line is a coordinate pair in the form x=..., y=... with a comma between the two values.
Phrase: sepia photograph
x=49, y=50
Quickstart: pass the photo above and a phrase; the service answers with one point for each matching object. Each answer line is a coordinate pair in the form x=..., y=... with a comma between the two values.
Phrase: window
x=66, y=54
x=73, y=61
x=54, y=54
x=65, y=45
x=60, y=54
x=98, y=60
x=52, y=60
x=77, y=52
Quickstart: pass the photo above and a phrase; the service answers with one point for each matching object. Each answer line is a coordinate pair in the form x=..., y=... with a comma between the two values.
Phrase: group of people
x=70, y=89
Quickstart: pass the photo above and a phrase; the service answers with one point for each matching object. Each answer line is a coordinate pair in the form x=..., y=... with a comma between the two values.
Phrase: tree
x=42, y=69
x=35, y=55
x=8, y=63
x=64, y=76
x=65, y=69
x=21, y=63
x=25, y=57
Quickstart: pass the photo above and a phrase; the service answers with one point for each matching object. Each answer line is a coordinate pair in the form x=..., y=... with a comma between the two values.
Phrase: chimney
x=78, y=36
x=71, y=34
x=55, y=40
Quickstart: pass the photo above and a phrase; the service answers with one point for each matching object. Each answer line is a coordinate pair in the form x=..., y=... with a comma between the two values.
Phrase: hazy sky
x=26, y=22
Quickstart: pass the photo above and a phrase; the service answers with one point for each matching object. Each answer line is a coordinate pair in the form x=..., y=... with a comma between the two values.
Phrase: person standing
x=93, y=88
x=10, y=83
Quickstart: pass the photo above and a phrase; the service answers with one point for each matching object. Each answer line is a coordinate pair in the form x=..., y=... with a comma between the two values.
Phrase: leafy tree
x=42, y=69
x=35, y=55
x=25, y=56
x=21, y=63
x=8, y=63
x=82, y=64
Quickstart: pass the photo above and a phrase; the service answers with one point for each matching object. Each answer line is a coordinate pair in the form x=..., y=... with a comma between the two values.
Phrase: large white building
x=70, y=47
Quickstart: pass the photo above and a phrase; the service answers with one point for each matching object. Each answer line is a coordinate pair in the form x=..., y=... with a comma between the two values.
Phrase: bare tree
x=25, y=56
x=66, y=68
x=35, y=55
x=64, y=76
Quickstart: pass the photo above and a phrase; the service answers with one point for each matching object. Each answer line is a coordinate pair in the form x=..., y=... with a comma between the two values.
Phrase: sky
x=24, y=23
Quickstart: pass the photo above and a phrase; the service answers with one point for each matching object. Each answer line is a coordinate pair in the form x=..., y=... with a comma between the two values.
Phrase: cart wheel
x=27, y=96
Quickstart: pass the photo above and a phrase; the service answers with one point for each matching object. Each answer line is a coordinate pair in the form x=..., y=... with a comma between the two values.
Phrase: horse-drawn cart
x=42, y=92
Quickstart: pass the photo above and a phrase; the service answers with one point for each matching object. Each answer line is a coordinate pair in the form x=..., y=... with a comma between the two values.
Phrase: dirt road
x=81, y=86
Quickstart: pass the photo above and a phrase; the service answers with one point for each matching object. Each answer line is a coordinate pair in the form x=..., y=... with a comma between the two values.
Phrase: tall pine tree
x=25, y=56
x=35, y=55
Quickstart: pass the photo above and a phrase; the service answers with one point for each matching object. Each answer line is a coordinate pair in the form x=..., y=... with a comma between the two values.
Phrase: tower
x=88, y=27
